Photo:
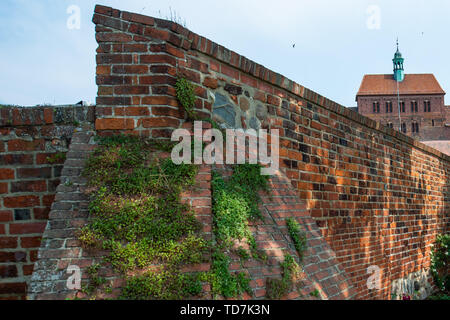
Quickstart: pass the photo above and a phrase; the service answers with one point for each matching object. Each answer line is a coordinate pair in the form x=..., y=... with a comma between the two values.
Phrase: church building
x=411, y=103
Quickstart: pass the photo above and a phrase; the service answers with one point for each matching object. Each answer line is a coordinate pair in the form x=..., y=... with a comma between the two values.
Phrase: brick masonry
x=61, y=248
x=33, y=142
x=69, y=212
x=367, y=195
x=377, y=196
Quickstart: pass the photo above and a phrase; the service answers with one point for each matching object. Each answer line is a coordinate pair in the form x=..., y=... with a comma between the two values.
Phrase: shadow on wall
x=386, y=213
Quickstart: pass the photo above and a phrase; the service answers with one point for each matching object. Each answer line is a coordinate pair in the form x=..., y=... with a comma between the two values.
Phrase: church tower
x=399, y=72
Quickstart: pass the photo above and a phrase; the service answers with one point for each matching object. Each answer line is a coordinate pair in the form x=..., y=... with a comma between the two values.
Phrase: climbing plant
x=186, y=96
x=136, y=216
x=235, y=202
x=298, y=237
x=440, y=262
x=277, y=288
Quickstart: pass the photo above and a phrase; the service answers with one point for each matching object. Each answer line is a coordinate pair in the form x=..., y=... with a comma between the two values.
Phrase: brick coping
x=184, y=38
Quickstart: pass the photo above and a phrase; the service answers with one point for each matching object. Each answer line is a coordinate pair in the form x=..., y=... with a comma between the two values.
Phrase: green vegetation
x=95, y=281
x=278, y=288
x=56, y=158
x=298, y=237
x=440, y=263
x=186, y=96
x=243, y=254
x=442, y=296
x=164, y=285
x=235, y=202
x=222, y=281
x=315, y=293
x=136, y=215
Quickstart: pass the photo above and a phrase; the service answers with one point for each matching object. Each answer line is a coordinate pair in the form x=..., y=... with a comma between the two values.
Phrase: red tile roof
x=384, y=84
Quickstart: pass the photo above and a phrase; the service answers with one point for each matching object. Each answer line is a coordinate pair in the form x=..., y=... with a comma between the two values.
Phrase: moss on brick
x=138, y=218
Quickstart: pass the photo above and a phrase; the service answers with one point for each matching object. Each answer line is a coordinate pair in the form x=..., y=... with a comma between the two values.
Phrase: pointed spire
x=398, y=60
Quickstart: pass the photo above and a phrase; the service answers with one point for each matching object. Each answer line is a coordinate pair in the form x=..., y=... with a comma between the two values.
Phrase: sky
x=46, y=59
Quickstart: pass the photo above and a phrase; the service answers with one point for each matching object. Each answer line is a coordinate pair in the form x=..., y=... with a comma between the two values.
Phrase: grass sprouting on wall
x=186, y=96
x=136, y=215
x=278, y=288
x=297, y=236
x=440, y=263
x=235, y=202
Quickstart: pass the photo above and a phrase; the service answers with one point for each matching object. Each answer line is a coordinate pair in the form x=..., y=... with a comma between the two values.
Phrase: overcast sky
x=336, y=42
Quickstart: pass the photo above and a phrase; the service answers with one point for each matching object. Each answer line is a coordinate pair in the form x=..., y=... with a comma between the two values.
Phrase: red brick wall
x=379, y=197
x=61, y=247
x=33, y=142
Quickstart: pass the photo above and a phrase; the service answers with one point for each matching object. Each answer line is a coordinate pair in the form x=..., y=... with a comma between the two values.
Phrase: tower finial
x=398, y=65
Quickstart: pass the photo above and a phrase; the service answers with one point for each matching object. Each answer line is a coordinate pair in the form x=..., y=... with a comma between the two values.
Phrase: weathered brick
x=113, y=58
x=113, y=37
x=21, y=201
x=16, y=256
x=160, y=122
x=8, y=271
x=15, y=159
x=50, y=158
x=23, y=145
x=134, y=17
x=27, y=228
x=159, y=100
x=22, y=214
x=41, y=213
x=103, y=70
x=210, y=83
x=114, y=124
x=29, y=186
x=3, y=187
x=8, y=242
x=156, y=33
x=131, y=90
x=158, y=58
x=130, y=69
x=30, y=242
x=11, y=288
x=159, y=80
x=6, y=215
x=45, y=172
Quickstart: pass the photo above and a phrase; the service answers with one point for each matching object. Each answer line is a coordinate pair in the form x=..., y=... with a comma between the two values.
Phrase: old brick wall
x=378, y=196
x=33, y=144
x=69, y=212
